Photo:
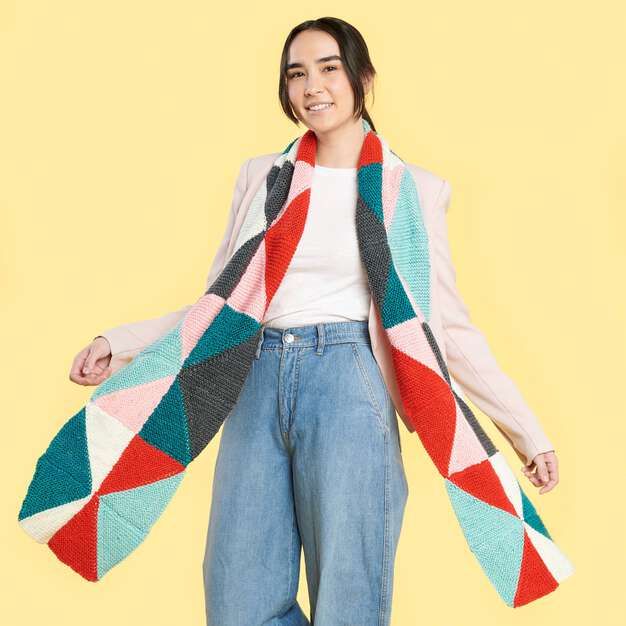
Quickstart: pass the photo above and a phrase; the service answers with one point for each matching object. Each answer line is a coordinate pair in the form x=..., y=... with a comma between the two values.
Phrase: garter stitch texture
x=111, y=470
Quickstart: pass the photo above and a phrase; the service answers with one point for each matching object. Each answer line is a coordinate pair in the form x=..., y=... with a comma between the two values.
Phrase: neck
x=340, y=147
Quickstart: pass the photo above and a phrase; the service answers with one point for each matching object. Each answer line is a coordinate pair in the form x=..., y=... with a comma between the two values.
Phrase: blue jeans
x=309, y=458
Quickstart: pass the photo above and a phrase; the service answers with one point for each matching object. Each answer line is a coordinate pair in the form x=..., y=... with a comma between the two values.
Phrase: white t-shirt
x=326, y=280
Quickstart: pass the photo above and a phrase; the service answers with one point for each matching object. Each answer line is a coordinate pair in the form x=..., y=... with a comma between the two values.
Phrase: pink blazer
x=470, y=362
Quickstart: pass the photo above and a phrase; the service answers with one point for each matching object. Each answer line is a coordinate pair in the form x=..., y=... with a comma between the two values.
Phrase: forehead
x=310, y=46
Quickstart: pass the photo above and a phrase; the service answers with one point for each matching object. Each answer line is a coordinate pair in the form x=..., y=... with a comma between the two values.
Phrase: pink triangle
x=249, y=296
x=392, y=176
x=134, y=405
x=197, y=320
x=466, y=447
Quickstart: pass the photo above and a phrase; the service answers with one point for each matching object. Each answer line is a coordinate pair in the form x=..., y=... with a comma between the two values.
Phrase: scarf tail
x=498, y=521
x=112, y=469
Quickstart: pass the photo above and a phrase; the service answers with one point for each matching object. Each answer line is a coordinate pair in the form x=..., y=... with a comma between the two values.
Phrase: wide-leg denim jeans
x=309, y=458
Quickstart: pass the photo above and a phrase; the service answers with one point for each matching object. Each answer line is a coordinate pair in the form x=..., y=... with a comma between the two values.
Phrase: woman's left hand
x=543, y=471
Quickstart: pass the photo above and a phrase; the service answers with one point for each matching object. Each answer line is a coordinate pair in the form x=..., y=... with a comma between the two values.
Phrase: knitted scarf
x=113, y=467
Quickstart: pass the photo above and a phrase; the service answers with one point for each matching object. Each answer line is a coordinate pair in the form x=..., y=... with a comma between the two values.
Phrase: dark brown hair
x=355, y=56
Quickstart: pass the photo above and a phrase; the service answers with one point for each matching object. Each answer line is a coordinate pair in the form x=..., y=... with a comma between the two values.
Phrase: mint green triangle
x=408, y=243
x=158, y=360
x=143, y=505
x=494, y=536
x=117, y=538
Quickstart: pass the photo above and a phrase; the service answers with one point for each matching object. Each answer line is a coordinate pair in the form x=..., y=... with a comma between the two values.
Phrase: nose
x=312, y=89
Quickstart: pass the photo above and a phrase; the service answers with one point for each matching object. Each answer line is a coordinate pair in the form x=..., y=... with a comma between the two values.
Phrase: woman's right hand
x=91, y=364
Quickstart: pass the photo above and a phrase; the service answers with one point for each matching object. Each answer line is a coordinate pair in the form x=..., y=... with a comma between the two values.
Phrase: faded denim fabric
x=309, y=458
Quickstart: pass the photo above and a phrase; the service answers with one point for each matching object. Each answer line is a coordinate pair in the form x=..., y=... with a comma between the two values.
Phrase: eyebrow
x=332, y=57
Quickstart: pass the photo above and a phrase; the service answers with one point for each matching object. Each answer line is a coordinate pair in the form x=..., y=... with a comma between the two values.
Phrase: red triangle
x=140, y=464
x=371, y=151
x=482, y=481
x=535, y=579
x=281, y=241
x=307, y=148
x=429, y=406
x=76, y=543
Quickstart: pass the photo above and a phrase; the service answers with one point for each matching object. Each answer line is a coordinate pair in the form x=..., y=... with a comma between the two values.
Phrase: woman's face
x=315, y=74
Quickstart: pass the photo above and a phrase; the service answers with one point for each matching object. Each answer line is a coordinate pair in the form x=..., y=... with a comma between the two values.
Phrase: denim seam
x=291, y=567
x=294, y=392
x=382, y=615
x=370, y=389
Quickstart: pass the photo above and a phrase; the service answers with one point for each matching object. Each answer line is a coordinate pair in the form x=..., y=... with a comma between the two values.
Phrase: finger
x=542, y=470
x=549, y=485
x=79, y=360
x=533, y=478
x=90, y=362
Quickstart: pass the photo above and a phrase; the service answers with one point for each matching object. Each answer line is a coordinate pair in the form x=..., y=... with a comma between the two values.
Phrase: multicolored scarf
x=111, y=470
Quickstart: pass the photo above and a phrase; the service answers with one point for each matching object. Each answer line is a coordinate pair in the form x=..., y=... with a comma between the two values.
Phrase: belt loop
x=260, y=343
x=320, y=339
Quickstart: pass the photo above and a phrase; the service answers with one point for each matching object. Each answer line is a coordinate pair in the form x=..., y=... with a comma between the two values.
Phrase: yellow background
x=123, y=125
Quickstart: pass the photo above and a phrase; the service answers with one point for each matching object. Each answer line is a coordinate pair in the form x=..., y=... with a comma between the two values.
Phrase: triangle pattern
x=51, y=487
x=495, y=537
x=107, y=438
x=75, y=543
x=134, y=406
x=68, y=449
x=531, y=517
x=41, y=526
x=117, y=538
x=149, y=365
x=166, y=429
x=535, y=580
x=142, y=506
x=558, y=564
x=229, y=328
x=140, y=464
x=396, y=306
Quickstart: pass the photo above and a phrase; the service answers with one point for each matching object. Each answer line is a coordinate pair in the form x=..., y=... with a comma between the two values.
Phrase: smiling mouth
x=326, y=107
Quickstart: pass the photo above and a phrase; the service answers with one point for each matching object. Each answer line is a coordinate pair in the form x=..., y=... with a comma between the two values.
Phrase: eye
x=295, y=74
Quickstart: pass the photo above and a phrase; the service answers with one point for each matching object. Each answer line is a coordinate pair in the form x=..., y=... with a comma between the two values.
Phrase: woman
x=310, y=455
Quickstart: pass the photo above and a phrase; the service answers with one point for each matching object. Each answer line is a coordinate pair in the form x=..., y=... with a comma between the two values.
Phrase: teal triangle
x=117, y=538
x=228, y=329
x=531, y=516
x=166, y=428
x=494, y=536
x=142, y=506
x=370, y=182
x=408, y=242
x=160, y=359
x=396, y=306
x=50, y=487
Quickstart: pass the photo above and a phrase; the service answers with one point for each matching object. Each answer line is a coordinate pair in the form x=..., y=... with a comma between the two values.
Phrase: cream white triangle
x=107, y=438
x=559, y=565
x=41, y=526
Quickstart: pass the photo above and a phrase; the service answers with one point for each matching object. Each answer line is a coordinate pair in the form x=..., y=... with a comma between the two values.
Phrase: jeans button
x=288, y=337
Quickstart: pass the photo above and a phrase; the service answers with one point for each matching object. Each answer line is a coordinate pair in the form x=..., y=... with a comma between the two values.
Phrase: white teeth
x=318, y=107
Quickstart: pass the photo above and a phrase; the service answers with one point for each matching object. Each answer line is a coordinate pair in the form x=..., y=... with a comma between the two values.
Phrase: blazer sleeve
x=470, y=359
x=128, y=340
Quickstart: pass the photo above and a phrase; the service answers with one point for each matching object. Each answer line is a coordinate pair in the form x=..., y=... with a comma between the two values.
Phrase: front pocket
x=373, y=388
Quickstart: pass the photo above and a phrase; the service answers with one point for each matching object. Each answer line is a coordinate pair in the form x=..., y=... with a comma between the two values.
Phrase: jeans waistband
x=314, y=335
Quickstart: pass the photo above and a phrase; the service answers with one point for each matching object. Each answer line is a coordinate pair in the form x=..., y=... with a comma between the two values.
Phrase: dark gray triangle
x=230, y=276
x=211, y=388
x=374, y=250
x=278, y=190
